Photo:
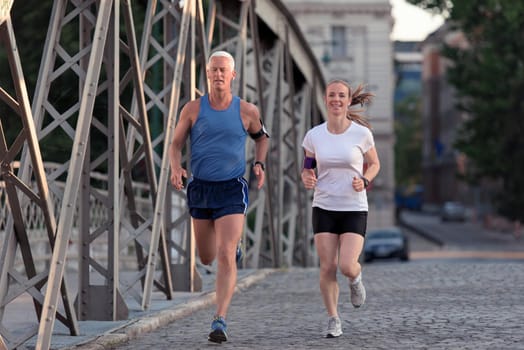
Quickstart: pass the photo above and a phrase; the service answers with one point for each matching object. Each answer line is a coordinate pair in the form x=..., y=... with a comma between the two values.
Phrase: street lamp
x=326, y=44
x=326, y=58
x=5, y=9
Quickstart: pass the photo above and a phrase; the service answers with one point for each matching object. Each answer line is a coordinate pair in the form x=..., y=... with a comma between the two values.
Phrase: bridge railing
x=35, y=224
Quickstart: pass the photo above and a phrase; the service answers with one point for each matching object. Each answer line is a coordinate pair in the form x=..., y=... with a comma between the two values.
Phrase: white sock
x=357, y=279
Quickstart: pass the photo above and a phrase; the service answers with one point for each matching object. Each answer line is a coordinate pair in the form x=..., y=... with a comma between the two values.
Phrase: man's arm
x=185, y=122
x=257, y=131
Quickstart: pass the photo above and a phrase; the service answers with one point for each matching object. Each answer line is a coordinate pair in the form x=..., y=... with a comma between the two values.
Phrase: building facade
x=351, y=39
x=409, y=191
x=441, y=162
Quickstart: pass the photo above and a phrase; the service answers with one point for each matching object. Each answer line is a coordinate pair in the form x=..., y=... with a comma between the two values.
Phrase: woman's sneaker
x=334, y=328
x=358, y=292
x=218, y=330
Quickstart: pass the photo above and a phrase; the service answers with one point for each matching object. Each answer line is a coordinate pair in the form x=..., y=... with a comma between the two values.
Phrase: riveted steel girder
x=114, y=196
x=28, y=185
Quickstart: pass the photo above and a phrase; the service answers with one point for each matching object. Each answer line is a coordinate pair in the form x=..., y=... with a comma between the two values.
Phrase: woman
x=338, y=149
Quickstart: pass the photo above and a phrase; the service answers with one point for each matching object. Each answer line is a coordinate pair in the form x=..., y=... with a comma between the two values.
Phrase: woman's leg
x=327, y=250
x=350, y=248
x=351, y=245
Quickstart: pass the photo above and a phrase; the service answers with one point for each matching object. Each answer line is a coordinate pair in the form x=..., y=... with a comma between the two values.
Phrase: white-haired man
x=217, y=193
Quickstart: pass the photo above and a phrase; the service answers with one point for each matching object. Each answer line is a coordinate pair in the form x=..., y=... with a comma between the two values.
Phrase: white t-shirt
x=340, y=157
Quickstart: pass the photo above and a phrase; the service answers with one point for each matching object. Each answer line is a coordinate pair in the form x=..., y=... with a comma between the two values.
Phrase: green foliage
x=30, y=19
x=408, y=145
x=434, y=6
x=488, y=77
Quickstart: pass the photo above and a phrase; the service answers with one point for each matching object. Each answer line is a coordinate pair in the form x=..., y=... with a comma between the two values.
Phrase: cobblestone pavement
x=417, y=305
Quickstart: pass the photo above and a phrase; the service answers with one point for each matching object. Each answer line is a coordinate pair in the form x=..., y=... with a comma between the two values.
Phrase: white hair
x=223, y=54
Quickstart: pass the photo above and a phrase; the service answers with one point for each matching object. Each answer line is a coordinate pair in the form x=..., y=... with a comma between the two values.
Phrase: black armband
x=259, y=133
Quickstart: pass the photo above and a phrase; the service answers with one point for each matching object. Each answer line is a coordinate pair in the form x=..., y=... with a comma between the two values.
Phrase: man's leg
x=205, y=240
x=228, y=230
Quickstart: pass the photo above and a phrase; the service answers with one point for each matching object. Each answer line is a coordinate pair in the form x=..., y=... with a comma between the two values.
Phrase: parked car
x=453, y=211
x=386, y=243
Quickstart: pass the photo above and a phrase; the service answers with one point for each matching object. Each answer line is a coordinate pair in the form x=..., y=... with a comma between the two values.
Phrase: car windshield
x=452, y=205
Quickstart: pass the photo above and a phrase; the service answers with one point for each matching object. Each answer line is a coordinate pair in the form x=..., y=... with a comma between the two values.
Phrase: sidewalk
x=461, y=240
x=97, y=335
x=429, y=226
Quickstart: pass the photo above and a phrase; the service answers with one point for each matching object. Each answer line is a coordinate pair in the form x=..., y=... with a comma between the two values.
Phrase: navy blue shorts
x=211, y=200
x=339, y=221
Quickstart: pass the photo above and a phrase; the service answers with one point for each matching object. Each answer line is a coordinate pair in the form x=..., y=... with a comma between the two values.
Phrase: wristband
x=310, y=163
x=262, y=165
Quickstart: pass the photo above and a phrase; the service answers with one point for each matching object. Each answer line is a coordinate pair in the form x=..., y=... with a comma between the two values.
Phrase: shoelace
x=332, y=323
x=219, y=320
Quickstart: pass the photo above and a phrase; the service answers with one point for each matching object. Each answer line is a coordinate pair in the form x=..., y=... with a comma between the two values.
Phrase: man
x=218, y=124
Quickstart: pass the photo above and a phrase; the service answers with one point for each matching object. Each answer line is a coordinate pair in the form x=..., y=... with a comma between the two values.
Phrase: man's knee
x=226, y=257
x=206, y=259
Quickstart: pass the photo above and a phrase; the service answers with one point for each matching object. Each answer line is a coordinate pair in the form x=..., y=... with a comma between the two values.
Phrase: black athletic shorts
x=339, y=221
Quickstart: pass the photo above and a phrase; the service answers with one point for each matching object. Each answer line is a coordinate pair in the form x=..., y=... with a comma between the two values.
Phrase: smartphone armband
x=310, y=163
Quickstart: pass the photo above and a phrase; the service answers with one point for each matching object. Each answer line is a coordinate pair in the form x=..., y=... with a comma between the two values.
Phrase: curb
x=138, y=326
x=420, y=232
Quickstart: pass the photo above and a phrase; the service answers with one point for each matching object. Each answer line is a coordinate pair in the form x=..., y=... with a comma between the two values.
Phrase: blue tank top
x=218, y=141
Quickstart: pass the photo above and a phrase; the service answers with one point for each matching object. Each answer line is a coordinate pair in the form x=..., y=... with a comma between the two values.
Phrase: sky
x=411, y=22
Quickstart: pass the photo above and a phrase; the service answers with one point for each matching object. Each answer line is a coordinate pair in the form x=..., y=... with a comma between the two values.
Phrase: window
x=339, y=43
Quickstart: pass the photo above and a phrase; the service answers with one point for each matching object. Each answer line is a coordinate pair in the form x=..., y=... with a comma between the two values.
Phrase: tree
x=488, y=76
x=408, y=145
x=30, y=40
x=30, y=19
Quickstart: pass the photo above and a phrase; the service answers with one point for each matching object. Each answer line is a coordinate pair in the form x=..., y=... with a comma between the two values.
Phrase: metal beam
x=76, y=165
x=34, y=187
x=188, y=14
x=144, y=90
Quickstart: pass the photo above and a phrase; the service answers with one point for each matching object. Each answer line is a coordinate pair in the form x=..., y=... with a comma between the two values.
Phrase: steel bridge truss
x=128, y=94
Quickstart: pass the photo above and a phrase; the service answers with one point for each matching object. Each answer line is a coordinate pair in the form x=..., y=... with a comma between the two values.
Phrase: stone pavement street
x=467, y=296
x=446, y=304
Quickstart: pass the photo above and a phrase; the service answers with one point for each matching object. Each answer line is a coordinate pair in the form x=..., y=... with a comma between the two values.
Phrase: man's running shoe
x=334, y=328
x=239, y=253
x=218, y=330
x=358, y=292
